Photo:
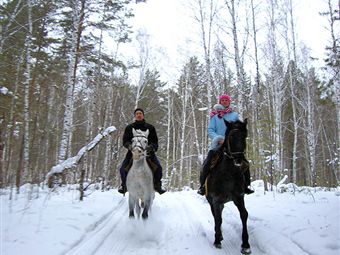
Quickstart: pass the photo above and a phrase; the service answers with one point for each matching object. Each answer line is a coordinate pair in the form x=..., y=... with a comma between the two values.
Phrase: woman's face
x=225, y=102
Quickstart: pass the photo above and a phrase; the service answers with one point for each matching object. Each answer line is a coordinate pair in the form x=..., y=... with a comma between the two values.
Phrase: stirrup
x=201, y=190
x=159, y=189
x=122, y=189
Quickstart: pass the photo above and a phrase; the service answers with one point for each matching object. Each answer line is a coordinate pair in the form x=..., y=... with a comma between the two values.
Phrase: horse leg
x=145, y=213
x=137, y=208
x=245, y=247
x=216, y=209
x=131, y=206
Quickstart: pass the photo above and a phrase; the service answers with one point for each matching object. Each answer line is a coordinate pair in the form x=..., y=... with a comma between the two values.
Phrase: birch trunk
x=292, y=84
x=198, y=148
x=168, y=137
x=26, y=171
x=238, y=63
x=310, y=129
x=257, y=131
x=183, y=128
x=276, y=86
x=206, y=42
x=143, y=62
x=78, y=18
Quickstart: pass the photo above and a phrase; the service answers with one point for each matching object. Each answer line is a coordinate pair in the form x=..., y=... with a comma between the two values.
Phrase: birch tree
x=333, y=59
x=78, y=7
x=238, y=58
x=311, y=131
x=291, y=49
x=27, y=82
x=275, y=84
x=207, y=14
x=144, y=58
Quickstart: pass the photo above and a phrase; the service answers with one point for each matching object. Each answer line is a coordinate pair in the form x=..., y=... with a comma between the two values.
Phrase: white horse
x=139, y=180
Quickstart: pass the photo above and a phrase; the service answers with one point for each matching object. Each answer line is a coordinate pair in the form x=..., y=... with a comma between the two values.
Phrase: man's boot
x=122, y=189
x=205, y=171
x=158, y=187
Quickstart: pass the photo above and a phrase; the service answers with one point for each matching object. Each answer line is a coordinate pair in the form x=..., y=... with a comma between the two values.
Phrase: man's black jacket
x=142, y=125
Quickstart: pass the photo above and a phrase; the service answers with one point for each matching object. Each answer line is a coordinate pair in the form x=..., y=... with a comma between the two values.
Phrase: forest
x=62, y=84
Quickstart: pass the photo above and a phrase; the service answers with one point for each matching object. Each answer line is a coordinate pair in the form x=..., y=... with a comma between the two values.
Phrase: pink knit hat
x=224, y=96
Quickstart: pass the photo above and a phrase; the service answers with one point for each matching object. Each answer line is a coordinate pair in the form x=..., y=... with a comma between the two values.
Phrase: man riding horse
x=216, y=132
x=151, y=149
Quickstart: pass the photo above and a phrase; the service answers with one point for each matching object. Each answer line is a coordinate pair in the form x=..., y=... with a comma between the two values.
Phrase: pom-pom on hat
x=138, y=109
x=224, y=96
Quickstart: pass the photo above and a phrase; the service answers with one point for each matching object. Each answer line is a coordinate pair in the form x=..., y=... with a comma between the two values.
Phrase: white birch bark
x=311, y=131
x=144, y=56
x=257, y=131
x=66, y=136
x=183, y=127
x=292, y=78
x=74, y=161
x=276, y=84
x=206, y=30
x=197, y=144
x=238, y=61
x=26, y=170
x=168, y=137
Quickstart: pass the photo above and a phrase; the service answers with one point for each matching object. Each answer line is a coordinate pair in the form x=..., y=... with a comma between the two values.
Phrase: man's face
x=139, y=116
x=225, y=102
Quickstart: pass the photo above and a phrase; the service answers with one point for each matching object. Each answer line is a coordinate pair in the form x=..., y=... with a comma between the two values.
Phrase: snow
x=5, y=91
x=55, y=223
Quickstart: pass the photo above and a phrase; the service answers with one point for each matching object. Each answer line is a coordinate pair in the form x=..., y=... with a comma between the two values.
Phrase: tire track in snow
x=179, y=223
x=279, y=243
x=97, y=232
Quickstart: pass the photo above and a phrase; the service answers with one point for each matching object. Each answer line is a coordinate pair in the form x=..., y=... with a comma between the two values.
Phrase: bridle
x=228, y=152
x=138, y=143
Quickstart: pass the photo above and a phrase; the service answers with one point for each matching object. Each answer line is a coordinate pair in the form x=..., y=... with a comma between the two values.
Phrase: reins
x=228, y=153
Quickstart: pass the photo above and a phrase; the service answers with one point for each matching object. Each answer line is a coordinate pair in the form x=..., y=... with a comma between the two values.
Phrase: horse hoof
x=218, y=245
x=245, y=250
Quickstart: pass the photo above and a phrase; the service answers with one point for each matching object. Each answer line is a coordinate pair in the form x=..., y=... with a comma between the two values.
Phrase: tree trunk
x=78, y=19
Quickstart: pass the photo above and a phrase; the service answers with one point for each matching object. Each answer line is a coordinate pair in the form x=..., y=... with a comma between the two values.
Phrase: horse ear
x=147, y=132
x=134, y=132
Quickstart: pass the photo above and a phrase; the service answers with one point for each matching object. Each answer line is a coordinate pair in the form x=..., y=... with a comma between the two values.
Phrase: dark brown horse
x=226, y=181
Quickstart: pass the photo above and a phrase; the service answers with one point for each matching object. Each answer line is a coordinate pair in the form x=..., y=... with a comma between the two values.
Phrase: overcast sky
x=174, y=36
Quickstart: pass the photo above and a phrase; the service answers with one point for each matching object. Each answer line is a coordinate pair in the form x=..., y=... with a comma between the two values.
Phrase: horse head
x=235, y=140
x=139, y=143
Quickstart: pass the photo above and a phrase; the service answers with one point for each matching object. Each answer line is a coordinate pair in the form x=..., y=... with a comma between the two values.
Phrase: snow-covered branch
x=73, y=161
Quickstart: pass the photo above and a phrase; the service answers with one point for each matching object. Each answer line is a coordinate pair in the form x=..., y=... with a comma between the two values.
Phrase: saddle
x=216, y=160
x=151, y=164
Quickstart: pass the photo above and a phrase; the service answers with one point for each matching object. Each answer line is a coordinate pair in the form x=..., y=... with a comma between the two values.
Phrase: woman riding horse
x=226, y=181
x=216, y=131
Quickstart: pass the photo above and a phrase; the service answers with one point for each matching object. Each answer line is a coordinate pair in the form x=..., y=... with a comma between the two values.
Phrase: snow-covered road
x=180, y=223
x=177, y=225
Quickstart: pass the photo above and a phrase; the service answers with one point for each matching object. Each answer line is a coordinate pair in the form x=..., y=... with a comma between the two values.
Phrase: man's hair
x=138, y=109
